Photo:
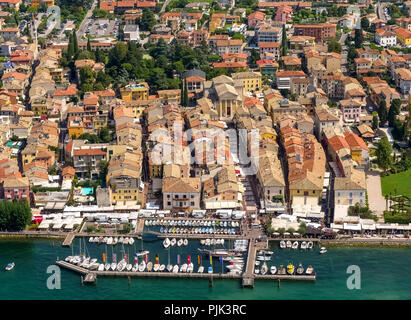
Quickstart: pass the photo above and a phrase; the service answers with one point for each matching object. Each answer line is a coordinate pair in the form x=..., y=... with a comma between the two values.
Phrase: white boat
x=207, y=242
x=113, y=266
x=162, y=268
x=257, y=263
x=263, y=258
x=323, y=250
x=129, y=267
x=169, y=267
x=149, y=266
x=135, y=268
x=10, y=266
x=131, y=241
x=115, y=240
x=121, y=265
x=180, y=242
x=309, y=270
x=288, y=244
x=295, y=245
x=185, y=242
x=183, y=268
x=309, y=245
x=125, y=241
x=190, y=268
x=273, y=270
x=222, y=242
x=142, y=253
x=175, y=269
x=156, y=267
x=257, y=271
x=303, y=245
x=101, y=267
x=166, y=243
x=110, y=241
x=200, y=269
x=202, y=242
x=91, y=239
x=121, y=240
x=68, y=259
x=264, y=268
x=142, y=266
x=173, y=242
x=107, y=266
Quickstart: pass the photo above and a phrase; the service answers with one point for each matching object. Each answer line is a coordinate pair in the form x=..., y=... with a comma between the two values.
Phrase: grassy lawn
x=400, y=181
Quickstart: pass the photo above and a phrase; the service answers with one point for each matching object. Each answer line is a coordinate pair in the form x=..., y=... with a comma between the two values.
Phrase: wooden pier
x=69, y=239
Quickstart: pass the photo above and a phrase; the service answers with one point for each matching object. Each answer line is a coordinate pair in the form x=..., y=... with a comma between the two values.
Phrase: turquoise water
x=385, y=274
x=86, y=191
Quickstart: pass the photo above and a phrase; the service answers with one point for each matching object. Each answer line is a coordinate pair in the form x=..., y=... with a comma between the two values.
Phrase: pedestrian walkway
x=376, y=200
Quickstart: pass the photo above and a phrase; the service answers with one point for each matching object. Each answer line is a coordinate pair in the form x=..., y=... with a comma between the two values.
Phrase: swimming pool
x=86, y=191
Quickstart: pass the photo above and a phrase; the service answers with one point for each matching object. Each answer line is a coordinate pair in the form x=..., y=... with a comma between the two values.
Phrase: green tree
x=334, y=46
x=383, y=153
x=185, y=94
x=148, y=20
x=75, y=43
x=284, y=42
x=375, y=121
x=382, y=112
x=365, y=23
x=394, y=110
x=88, y=45
x=70, y=48
x=105, y=135
x=358, y=38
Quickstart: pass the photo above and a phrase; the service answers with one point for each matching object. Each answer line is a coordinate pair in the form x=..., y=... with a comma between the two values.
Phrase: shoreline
x=353, y=242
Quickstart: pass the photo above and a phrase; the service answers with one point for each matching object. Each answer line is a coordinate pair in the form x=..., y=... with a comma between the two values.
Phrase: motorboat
x=185, y=242
x=175, y=268
x=142, y=253
x=200, y=269
x=68, y=259
x=109, y=241
x=180, y=242
x=166, y=243
x=207, y=242
x=107, y=266
x=190, y=268
x=126, y=241
x=121, y=265
x=10, y=266
x=131, y=241
x=288, y=244
x=303, y=245
x=202, y=242
x=113, y=266
x=300, y=269
x=183, y=267
x=266, y=253
x=129, y=267
x=156, y=267
x=94, y=266
x=173, y=242
x=264, y=268
x=323, y=250
x=282, y=244
x=295, y=245
x=309, y=245
x=309, y=270
x=257, y=263
x=290, y=268
x=142, y=266
x=162, y=267
x=149, y=266
x=273, y=270
x=169, y=267
x=91, y=239
x=121, y=240
x=257, y=271
x=101, y=267
x=264, y=258
x=281, y=270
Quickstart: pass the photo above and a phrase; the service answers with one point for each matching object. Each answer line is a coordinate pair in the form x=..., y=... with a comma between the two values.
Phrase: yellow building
x=75, y=128
x=252, y=80
x=37, y=3
x=124, y=183
x=403, y=36
x=114, y=150
x=135, y=91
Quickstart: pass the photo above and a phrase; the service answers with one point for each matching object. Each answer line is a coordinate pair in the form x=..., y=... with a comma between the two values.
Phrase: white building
x=131, y=33
x=385, y=38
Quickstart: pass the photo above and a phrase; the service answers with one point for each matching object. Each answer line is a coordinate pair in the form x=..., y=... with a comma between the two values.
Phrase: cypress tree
x=70, y=49
x=382, y=112
x=88, y=45
x=185, y=94
x=182, y=93
x=75, y=42
x=284, y=42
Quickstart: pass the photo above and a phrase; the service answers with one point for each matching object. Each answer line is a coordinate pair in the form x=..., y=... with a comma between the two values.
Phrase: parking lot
x=103, y=28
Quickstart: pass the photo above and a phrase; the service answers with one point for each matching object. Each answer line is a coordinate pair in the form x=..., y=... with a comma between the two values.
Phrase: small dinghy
x=101, y=267
x=156, y=267
x=264, y=268
x=173, y=242
x=180, y=242
x=289, y=244
x=310, y=245
x=323, y=250
x=166, y=243
x=142, y=266
x=273, y=270
x=200, y=269
x=185, y=242
x=310, y=270
x=175, y=268
x=169, y=267
x=162, y=268
x=131, y=241
x=10, y=266
x=135, y=268
x=129, y=267
x=295, y=245
x=300, y=269
x=107, y=267
x=149, y=266
x=303, y=245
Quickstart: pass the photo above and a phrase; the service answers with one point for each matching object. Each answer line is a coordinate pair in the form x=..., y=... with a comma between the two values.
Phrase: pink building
x=255, y=17
x=351, y=110
x=16, y=188
x=284, y=14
